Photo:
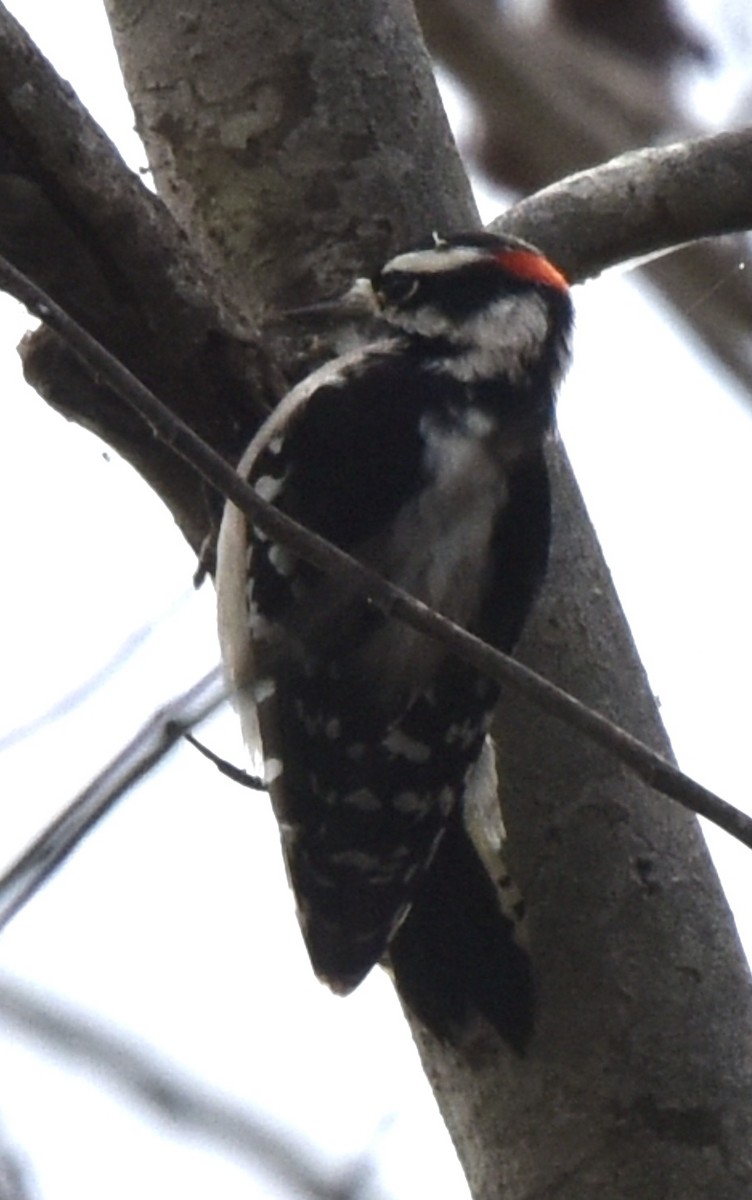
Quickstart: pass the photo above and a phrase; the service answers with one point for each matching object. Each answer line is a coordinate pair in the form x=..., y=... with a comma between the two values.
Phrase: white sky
x=173, y=921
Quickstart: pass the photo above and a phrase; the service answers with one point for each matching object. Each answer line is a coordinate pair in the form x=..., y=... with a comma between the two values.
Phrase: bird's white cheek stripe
x=430, y=262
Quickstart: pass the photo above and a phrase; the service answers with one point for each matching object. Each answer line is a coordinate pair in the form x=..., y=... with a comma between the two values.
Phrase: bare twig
x=56, y=842
x=81, y=692
x=175, y=1097
x=236, y=774
x=655, y=770
x=16, y=1180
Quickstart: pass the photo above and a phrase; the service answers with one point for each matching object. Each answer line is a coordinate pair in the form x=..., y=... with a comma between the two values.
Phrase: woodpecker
x=420, y=453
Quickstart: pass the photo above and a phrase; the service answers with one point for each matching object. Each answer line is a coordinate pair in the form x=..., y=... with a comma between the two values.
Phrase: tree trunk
x=297, y=145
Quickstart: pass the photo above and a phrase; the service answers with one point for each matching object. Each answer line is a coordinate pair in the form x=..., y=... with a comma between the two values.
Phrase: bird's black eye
x=395, y=287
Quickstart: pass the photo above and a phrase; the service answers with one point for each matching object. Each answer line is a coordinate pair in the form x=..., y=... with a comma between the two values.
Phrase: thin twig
x=150, y=745
x=236, y=774
x=82, y=692
x=16, y=1177
x=656, y=771
x=184, y=1102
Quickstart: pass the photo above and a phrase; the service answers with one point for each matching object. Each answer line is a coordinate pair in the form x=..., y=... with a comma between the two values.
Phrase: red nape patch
x=526, y=264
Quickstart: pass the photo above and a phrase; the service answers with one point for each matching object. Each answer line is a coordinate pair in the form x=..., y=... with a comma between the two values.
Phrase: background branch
x=16, y=1180
x=151, y=744
x=553, y=97
x=185, y=1103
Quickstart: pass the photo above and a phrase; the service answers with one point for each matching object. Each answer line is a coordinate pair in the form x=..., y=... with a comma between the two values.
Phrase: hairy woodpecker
x=421, y=454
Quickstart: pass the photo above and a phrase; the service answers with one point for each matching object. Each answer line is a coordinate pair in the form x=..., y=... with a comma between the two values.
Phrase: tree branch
x=549, y=101
x=512, y=69
x=649, y=30
x=183, y=1102
x=80, y=692
x=253, y=782
x=16, y=1181
x=76, y=220
x=56, y=842
x=640, y=204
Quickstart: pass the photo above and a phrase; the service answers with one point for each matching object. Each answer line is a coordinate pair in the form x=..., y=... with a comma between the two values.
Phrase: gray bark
x=282, y=136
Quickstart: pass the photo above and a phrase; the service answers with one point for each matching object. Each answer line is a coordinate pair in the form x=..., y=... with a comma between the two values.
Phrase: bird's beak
x=358, y=301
